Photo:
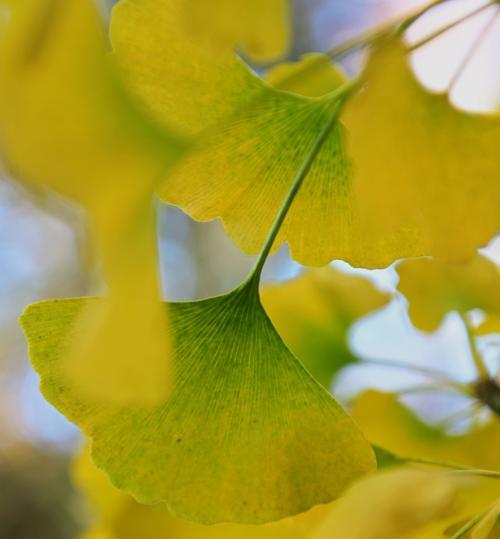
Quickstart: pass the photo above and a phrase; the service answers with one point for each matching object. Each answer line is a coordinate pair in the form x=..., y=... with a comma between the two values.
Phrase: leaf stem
x=443, y=29
x=338, y=98
x=457, y=468
x=481, y=368
x=469, y=525
x=372, y=35
x=476, y=44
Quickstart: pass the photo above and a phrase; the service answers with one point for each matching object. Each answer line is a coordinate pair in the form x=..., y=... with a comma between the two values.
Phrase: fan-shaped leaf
x=254, y=139
x=246, y=436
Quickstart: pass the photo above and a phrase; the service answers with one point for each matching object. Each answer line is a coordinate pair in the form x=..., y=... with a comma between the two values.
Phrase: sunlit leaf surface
x=254, y=137
x=66, y=123
x=261, y=28
x=246, y=436
x=426, y=174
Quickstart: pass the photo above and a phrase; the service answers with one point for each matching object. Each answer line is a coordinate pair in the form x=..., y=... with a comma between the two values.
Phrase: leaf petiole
x=371, y=36
x=443, y=29
x=469, y=525
x=457, y=468
x=481, y=368
x=338, y=98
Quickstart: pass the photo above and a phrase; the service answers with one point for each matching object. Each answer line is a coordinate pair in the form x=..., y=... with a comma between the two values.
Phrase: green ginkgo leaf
x=247, y=434
x=252, y=137
x=404, y=185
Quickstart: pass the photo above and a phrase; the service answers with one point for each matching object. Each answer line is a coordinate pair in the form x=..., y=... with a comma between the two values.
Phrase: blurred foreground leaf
x=67, y=123
x=247, y=435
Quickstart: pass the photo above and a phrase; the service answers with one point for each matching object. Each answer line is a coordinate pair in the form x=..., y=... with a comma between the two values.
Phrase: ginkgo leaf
x=389, y=424
x=313, y=75
x=484, y=527
x=261, y=28
x=331, y=301
x=252, y=137
x=119, y=516
x=434, y=288
x=426, y=174
x=491, y=324
x=390, y=505
x=247, y=434
x=67, y=123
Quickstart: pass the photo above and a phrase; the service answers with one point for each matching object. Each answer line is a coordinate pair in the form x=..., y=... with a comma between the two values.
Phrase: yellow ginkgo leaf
x=491, y=520
x=253, y=138
x=434, y=288
x=389, y=424
x=66, y=123
x=313, y=75
x=390, y=505
x=261, y=28
x=119, y=516
x=490, y=324
x=425, y=174
x=330, y=302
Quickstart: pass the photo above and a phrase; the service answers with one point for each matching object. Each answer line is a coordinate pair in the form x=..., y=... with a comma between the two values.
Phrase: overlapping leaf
x=417, y=160
x=389, y=424
x=434, y=288
x=261, y=28
x=246, y=436
x=314, y=313
x=119, y=516
x=255, y=137
x=390, y=505
x=66, y=123
x=426, y=174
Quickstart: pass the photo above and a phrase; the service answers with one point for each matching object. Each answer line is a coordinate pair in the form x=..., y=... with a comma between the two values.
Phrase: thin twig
x=474, y=47
x=374, y=34
x=481, y=368
x=469, y=525
x=457, y=468
x=443, y=29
